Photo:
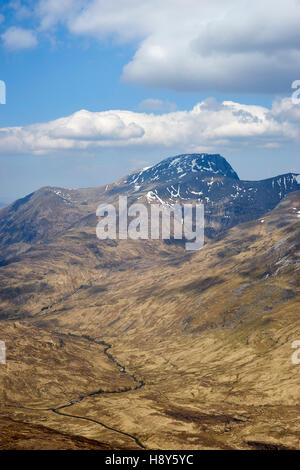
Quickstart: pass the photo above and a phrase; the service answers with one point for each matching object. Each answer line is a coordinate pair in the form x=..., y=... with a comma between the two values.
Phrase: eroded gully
x=122, y=369
x=58, y=409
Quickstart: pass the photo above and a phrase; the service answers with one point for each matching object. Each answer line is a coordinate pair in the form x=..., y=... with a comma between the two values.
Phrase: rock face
x=211, y=180
x=202, y=178
x=176, y=168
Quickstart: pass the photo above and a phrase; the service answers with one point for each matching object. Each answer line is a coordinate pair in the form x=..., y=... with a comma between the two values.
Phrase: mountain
x=211, y=180
x=205, y=178
x=201, y=342
x=16, y=435
x=140, y=343
x=174, y=169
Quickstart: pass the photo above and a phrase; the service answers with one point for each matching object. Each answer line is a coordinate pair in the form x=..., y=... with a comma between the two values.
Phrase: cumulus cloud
x=210, y=125
x=21, y=11
x=85, y=126
x=202, y=45
x=15, y=38
x=52, y=12
x=156, y=105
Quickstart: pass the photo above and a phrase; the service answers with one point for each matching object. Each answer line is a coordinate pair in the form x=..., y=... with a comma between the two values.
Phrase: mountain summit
x=183, y=167
x=204, y=178
x=209, y=179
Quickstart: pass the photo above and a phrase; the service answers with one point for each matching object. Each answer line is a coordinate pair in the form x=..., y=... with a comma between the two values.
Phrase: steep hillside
x=51, y=212
x=206, y=335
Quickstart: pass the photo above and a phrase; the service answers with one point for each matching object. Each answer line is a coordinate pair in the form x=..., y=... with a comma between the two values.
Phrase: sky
x=96, y=89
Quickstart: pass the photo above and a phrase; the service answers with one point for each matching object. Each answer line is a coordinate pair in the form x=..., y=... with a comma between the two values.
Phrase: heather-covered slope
x=209, y=333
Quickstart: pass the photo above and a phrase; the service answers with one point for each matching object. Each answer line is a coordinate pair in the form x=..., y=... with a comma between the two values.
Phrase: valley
x=130, y=344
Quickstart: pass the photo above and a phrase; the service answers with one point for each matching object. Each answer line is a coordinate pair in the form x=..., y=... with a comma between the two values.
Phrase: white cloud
x=203, y=45
x=86, y=126
x=52, y=12
x=153, y=104
x=285, y=109
x=208, y=126
x=21, y=11
x=15, y=38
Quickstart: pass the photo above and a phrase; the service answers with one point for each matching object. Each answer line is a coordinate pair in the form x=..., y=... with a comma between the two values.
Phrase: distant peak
x=184, y=165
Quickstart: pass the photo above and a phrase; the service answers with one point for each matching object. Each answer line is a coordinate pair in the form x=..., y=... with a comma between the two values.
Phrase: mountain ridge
x=206, y=178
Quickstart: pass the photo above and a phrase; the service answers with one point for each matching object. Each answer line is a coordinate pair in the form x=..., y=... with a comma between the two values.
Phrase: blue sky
x=155, y=62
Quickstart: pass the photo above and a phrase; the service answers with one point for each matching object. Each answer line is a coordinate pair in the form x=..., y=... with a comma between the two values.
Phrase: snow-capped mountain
x=209, y=179
x=206, y=178
x=183, y=167
x=184, y=178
